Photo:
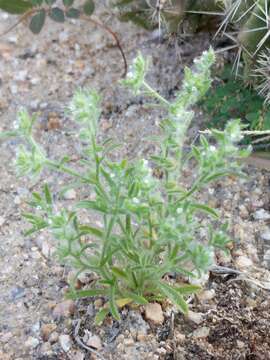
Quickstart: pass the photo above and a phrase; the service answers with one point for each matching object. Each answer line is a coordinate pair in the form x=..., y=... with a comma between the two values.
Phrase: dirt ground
x=232, y=319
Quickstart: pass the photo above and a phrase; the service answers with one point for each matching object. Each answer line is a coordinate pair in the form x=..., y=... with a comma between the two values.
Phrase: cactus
x=244, y=22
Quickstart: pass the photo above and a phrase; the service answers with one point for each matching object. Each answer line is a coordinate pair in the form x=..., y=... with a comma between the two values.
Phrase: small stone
x=154, y=313
x=77, y=355
x=95, y=342
x=70, y=194
x=46, y=249
x=195, y=317
x=243, y=262
x=46, y=349
x=46, y=330
x=64, y=309
x=180, y=337
x=17, y=200
x=240, y=344
x=98, y=303
x=141, y=337
x=206, y=295
x=6, y=337
x=261, y=215
x=201, y=332
x=266, y=236
x=129, y=342
x=243, y=212
x=53, y=337
x=2, y=221
x=65, y=342
x=31, y=342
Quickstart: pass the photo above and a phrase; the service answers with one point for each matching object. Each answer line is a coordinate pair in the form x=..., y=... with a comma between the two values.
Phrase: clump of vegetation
x=150, y=226
x=228, y=98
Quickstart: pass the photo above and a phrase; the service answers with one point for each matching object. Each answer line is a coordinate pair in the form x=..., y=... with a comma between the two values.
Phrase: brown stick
x=113, y=34
x=21, y=19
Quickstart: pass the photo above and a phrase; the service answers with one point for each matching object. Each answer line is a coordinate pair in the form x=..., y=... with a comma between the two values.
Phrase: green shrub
x=150, y=225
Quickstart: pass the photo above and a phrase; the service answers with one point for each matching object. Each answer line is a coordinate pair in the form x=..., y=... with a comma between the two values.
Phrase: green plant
x=150, y=226
x=229, y=98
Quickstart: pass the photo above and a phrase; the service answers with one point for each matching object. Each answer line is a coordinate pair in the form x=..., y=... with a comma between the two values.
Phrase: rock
x=201, y=332
x=70, y=194
x=240, y=344
x=64, y=309
x=65, y=342
x=243, y=212
x=46, y=349
x=98, y=303
x=265, y=236
x=180, y=337
x=77, y=355
x=17, y=293
x=129, y=342
x=31, y=342
x=195, y=317
x=206, y=295
x=261, y=215
x=2, y=221
x=46, y=248
x=6, y=337
x=53, y=338
x=243, y=262
x=141, y=337
x=95, y=342
x=154, y=313
x=46, y=330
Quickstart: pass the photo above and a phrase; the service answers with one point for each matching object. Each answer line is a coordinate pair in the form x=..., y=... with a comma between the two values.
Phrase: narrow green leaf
x=85, y=293
x=89, y=7
x=100, y=316
x=119, y=272
x=37, y=22
x=48, y=195
x=91, y=205
x=174, y=296
x=86, y=229
x=57, y=14
x=138, y=299
x=187, y=289
x=113, y=307
x=204, y=208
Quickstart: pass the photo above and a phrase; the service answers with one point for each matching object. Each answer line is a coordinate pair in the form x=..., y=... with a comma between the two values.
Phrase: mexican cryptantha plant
x=149, y=225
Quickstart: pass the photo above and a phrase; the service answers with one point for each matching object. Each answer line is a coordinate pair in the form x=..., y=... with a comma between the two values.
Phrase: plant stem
x=156, y=95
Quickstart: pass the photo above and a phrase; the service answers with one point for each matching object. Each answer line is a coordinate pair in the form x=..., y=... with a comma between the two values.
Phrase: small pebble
x=95, y=342
x=31, y=342
x=64, y=309
x=154, y=313
x=46, y=330
x=65, y=342
x=261, y=215
x=201, y=332
x=243, y=262
x=195, y=317
x=70, y=194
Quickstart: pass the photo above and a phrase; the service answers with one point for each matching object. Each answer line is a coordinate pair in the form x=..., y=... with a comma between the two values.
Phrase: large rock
x=154, y=313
